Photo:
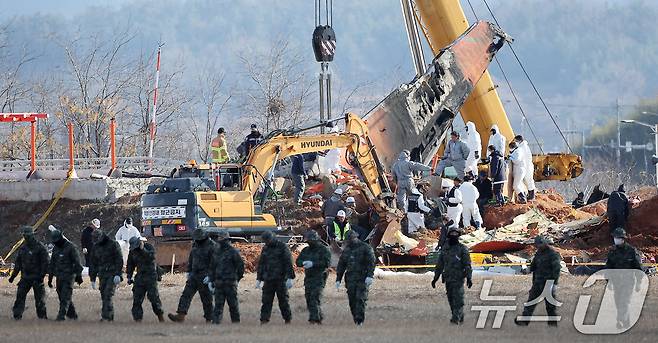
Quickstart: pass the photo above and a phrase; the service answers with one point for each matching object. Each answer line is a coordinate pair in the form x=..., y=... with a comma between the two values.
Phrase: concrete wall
x=106, y=190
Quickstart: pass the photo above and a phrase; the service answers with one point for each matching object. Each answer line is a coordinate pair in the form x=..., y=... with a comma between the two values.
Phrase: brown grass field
x=400, y=309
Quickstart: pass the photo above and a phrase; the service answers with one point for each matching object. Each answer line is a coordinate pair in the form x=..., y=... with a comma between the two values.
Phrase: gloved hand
x=130, y=281
x=434, y=283
x=84, y=250
x=338, y=285
x=289, y=283
x=307, y=264
x=206, y=280
x=469, y=283
x=369, y=281
x=259, y=284
x=93, y=285
x=11, y=279
x=116, y=279
x=78, y=279
x=211, y=287
x=50, y=282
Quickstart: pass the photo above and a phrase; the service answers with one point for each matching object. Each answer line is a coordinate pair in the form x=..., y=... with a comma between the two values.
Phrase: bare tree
x=99, y=77
x=213, y=102
x=173, y=101
x=279, y=87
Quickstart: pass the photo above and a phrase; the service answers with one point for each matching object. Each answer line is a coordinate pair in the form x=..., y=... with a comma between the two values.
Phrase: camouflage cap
x=619, y=233
x=55, y=235
x=223, y=235
x=311, y=235
x=199, y=234
x=267, y=236
x=134, y=242
x=541, y=240
x=351, y=234
x=27, y=230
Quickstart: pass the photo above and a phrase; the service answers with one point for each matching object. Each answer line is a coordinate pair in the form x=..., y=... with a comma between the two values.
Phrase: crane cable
x=531, y=82
x=509, y=85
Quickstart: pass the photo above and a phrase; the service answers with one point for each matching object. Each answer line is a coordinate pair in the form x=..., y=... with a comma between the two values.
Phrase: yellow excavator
x=226, y=196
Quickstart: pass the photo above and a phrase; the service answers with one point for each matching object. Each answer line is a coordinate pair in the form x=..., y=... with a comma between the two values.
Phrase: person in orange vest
x=218, y=148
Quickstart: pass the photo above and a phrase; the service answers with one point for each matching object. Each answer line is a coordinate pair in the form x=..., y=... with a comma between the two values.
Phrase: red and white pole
x=155, y=106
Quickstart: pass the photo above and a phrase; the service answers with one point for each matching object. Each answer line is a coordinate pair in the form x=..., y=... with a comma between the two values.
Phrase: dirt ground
x=400, y=309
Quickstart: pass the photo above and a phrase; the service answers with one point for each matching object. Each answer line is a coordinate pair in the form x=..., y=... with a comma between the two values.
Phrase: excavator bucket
x=417, y=115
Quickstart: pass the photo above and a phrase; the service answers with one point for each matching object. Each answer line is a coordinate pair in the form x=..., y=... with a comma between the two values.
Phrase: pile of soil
x=250, y=253
x=70, y=216
x=642, y=228
x=549, y=203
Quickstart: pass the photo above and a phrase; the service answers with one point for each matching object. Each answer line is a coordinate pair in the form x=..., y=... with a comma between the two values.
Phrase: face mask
x=59, y=243
x=452, y=240
x=618, y=241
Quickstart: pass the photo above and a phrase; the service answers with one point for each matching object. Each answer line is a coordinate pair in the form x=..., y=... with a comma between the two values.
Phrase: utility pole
x=155, y=106
x=618, y=135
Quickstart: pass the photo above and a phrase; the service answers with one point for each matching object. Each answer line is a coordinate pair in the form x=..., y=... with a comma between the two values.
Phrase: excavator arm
x=355, y=139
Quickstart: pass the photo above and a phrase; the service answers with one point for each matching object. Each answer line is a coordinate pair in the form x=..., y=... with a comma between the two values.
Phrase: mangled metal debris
x=417, y=115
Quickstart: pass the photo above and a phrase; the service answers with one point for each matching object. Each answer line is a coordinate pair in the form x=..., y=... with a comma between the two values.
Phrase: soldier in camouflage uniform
x=454, y=263
x=32, y=263
x=357, y=263
x=226, y=270
x=622, y=256
x=545, y=268
x=107, y=265
x=275, y=274
x=65, y=266
x=315, y=259
x=142, y=258
x=198, y=268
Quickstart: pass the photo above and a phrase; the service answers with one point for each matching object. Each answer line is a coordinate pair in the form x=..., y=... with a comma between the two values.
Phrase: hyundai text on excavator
x=226, y=197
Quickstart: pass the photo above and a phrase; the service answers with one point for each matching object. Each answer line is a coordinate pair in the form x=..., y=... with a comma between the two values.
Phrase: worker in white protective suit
x=497, y=140
x=330, y=162
x=416, y=210
x=528, y=178
x=453, y=199
x=403, y=170
x=474, y=143
x=518, y=163
x=470, y=195
x=123, y=236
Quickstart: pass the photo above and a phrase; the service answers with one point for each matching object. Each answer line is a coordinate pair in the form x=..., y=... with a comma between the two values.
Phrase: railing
x=138, y=164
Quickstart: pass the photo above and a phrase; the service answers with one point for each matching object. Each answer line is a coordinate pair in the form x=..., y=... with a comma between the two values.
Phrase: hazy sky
x=12, y=8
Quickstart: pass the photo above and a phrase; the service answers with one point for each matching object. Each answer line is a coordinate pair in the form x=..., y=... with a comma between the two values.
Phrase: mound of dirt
x=549, y=203
x=70, y=216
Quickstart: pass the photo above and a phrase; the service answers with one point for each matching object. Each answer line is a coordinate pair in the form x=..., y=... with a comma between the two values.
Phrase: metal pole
x=321, y=81
x=328, y=93
x=618, y=136
x=155, y=106
x=655, y=134
x=413, y=37
x=33, y=146
x=113, y=152
x=72, y=173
